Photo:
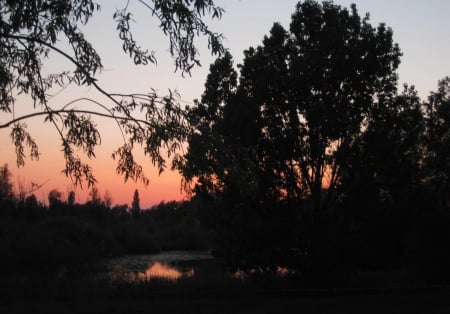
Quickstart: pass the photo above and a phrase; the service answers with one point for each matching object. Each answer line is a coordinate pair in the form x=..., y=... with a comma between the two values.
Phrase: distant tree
x=107, y=199
x=54, y=198
x=6, y=187
x=120, y=213
x=95, y=196
x=30, y=35
x=31, y=202
x=71, y=198
x=135, y=205
x=32, y=210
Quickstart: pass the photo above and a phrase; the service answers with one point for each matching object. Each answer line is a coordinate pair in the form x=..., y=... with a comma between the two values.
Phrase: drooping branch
x=89, y=80
x=58, y=112
x=30, y=32
x=181, y=24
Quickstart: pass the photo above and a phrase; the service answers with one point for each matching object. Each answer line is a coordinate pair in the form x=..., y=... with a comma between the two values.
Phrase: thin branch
x=100, y=105
x=36, y=114
x=87, y=74
x=148, y=6
x=91, y=79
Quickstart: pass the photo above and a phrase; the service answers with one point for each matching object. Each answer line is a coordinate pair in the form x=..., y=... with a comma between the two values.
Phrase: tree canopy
x=31, y=31
x=304, y=98
x=311, y=139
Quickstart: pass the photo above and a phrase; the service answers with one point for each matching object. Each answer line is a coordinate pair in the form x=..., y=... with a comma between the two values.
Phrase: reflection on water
x=173, y=265
x=283, y=271
x=164, y=271
x=176, y=265
x=279, y=272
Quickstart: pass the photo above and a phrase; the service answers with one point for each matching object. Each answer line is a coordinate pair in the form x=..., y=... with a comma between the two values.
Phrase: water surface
x=170, y=265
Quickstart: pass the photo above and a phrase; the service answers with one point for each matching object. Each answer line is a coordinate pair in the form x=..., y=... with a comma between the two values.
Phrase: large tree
x=31, y=32
x=341, y=69
x=304, y=100
x=310, y=93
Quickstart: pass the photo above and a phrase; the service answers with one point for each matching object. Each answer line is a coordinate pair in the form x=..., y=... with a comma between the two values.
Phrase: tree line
x=43, y=240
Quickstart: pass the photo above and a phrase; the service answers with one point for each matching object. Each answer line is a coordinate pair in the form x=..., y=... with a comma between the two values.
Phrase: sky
x=421, y=28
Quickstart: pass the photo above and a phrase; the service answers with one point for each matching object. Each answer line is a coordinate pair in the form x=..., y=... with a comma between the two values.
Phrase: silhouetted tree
x=54, y=199
x=341, y=68
x=31, y=33
x=71, y=198
x=208, y=157
x=119, y=213
x=382, y=183
x=32, y=210
x=95, y=196
x=437, y=111
x=107, y=199
x=6, y=187
x=288, y=129
x=135, y=205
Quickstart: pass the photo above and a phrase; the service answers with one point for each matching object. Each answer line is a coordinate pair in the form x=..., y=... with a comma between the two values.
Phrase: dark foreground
x=430, y=301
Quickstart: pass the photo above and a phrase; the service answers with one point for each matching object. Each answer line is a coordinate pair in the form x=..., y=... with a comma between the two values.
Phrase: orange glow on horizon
x=47, y=171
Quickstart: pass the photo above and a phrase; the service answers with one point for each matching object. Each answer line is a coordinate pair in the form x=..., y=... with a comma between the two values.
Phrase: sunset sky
x=421, y=28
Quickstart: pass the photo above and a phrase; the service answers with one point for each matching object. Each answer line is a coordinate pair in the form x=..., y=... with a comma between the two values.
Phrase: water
x=176, y=265
x=171, y=265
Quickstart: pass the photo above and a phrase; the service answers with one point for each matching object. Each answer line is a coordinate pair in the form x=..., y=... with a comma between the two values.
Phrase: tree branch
x=91, y=80
x=42, y=113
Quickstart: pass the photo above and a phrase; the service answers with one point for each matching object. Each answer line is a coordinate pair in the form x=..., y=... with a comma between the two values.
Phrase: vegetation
x=64, y=234
x=33, y=32
x=312, y=157
x=308, y=156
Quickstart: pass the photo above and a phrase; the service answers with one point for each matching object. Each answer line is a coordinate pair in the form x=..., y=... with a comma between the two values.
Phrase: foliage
x=32, y=31
x=288, y=130
x=437, y=111
x=54, y=198
x=303, y=99
x=135, y=206
x=208, y=157
x=6, y=188
x=65, y=237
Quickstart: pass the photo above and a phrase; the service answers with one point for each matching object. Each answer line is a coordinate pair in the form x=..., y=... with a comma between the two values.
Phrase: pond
x=171, y=265
x=176, y=265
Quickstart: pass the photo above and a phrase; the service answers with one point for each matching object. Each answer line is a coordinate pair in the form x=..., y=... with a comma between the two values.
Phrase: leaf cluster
x=30, y=30
x=181, y=21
